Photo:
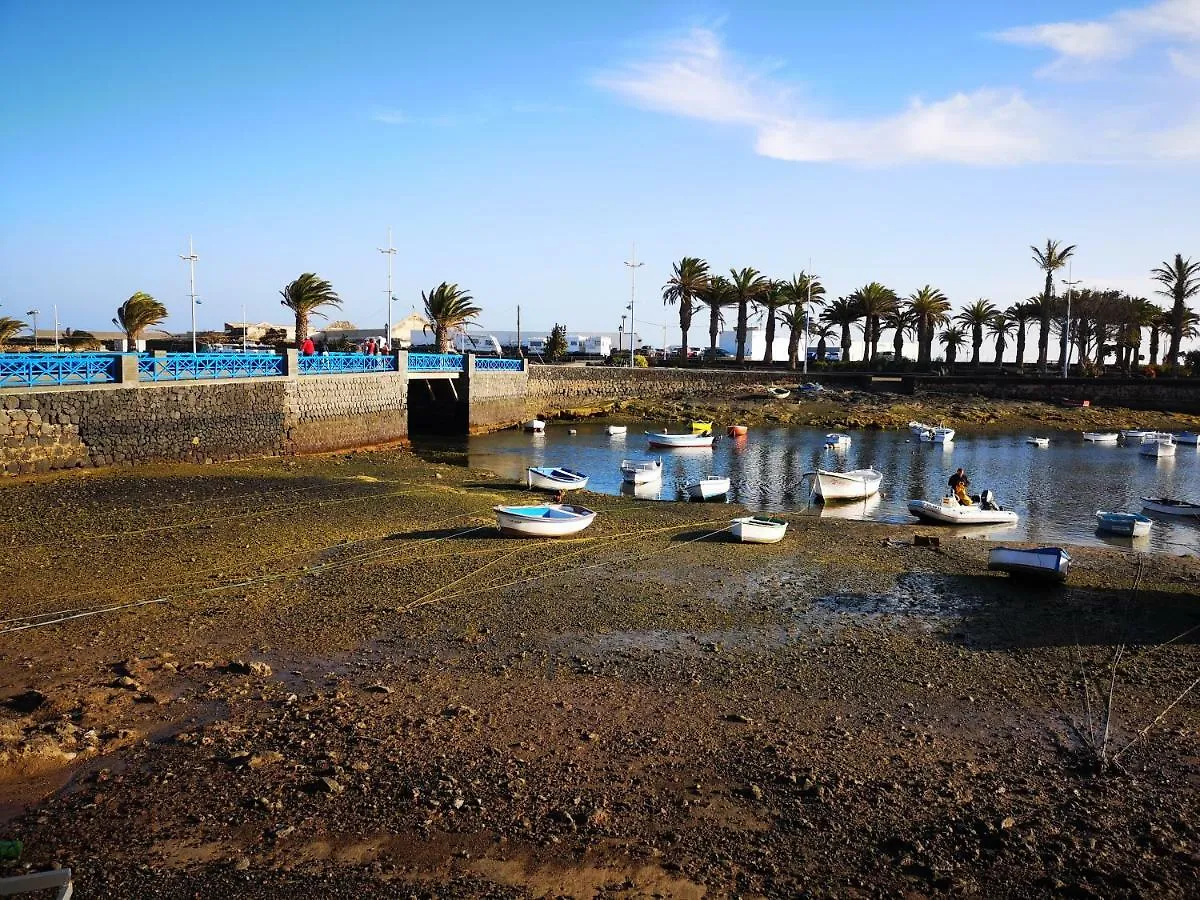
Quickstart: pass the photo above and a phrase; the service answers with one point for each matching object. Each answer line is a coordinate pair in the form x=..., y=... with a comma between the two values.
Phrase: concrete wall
x=494, y=399
x=554, y=388
x=47, y=429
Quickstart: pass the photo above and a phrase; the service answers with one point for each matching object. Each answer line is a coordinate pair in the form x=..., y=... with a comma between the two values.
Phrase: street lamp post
x=634, y=265
x=55, y=308
x=1067, y=325
x=190, y=259
x=35, y=313
x=390, y=253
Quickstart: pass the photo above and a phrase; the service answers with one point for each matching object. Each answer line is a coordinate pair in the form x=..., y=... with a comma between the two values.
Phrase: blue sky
x=519, y=149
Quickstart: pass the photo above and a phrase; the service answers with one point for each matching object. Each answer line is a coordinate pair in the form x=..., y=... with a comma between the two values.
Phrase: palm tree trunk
x=821, y=347
x=743, y=304
x=1172, y=357
x=301, y=326
x=846, y=342
x=794, y=347
x=1020, y=345
x=769, y=353
x=442, y=333
x=1001, y=346
x=1154, y=345
x=924, y=343
x=1043, y=342
x=714, y=326
x=976, y=345
x=898, y=345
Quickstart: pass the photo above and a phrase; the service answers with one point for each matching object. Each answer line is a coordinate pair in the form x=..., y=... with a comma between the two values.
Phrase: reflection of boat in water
x=645, y=490
x=850, y=509
x=985, y=531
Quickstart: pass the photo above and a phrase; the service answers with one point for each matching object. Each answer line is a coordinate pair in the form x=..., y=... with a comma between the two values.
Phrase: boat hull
x=837, y=441
x=616, y=429
x=663, y=439
x=1124, y=524
x=750, y=530
x=1165, y=507
x=779, y=393
x=550, y=520
x=1038, y=442
x=535, y=425
x=542, y=479
x=1191, y=438
x=1158, y=449
x=938, y=436
x=737, y=430
x=953, y=513
x=640, y=473
x=708, y=489
x=855, y=485
x=1052, y=563
x=1100, y=437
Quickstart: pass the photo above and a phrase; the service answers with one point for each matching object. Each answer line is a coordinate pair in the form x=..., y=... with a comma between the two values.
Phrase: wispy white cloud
x=390, y=117
x=1113, y=37
x=694, y=75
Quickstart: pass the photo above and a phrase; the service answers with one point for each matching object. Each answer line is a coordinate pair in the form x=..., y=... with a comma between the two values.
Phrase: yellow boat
x=702, y=427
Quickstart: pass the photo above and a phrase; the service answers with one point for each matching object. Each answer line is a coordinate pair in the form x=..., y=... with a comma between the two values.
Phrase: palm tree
x=1019, y=315
x=793, y=318
x=137, y=314
x=1049, y=260
x=976, y=316
x=1139, y=314
x=1000, y=326
x=929, y=309
x=843, y=312
x=9, y=329
x=798, y=292
x=717, y=294
x=1044, y=308
x=875, y=301
x=447, y=308
x=305, y=297
x=953, y=338
x=1159, y=322
x=1181, y=281
x=1190, y=328
x=823, y=332
x=747, y=286
x=771, y=300
x=686, y=285
x=901, y=321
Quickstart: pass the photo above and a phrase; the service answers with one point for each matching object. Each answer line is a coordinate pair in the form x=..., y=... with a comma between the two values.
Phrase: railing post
x=291, y=362
x=125, y=368
x=401, y=362
x=469, y=363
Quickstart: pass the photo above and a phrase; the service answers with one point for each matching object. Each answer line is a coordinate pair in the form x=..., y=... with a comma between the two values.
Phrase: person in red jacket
x=307, y=348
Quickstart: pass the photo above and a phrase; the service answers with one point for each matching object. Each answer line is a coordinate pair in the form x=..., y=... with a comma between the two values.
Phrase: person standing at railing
x=308, y=348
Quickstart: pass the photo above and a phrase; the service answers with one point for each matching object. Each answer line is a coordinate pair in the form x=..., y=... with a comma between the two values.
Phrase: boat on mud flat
x=616, y=429
x=1123, y=523
x=779, y=393
x=669, y=439
x=837, y=441
x=536, y=425
x=700, y=427
x=1168, y=507
x=1045, y=562
x=950, y=512
x=708, y=488
x=737, y=430
x=854, y=485
x=542, y=520
x=1158, y=445
x=551, y=478
x=1038, y=441
x=758, y=530
x=641, y=471
x=1100, y=437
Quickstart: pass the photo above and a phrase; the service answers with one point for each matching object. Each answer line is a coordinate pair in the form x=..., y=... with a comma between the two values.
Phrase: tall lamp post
x=35, y=313
x=190, y=259
x=1067, y=325
x=390, y=252
x=634, y=265
x=55, y=308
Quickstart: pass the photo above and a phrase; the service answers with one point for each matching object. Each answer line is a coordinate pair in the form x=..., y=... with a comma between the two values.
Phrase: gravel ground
x=347, y=693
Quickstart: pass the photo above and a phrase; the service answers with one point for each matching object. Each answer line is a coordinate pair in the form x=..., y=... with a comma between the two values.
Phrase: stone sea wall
x=495, y=399
x=554, y=388
x=335, y=412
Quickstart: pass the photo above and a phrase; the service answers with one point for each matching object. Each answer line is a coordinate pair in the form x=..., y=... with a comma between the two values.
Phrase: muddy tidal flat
x=348, y=685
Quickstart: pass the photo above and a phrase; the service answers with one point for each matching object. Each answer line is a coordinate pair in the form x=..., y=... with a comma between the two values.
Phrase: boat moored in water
x=737, y=430
x=938, y=435
x=1158, y=445
x=837, y=441
x=669, y=439
x=708, y=488
x=1038, y=441
x=700, y=427
x=758, y=530
x=641, y=471
x=535, y=425
x=542, y=520
x=616, y=429
x=1044, y=562
x=1123, y=523
x=1100, y=437
x=853, y=485
x=1168, y=507
x=552, y=478
x=1188, y=437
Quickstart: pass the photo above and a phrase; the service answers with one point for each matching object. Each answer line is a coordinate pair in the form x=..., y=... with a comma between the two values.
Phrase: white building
x=756, y=343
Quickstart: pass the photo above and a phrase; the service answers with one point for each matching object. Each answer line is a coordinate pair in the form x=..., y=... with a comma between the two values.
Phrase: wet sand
x=348, y=693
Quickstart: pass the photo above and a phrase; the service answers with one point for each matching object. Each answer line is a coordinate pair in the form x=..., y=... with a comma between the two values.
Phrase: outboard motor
x=987, y=500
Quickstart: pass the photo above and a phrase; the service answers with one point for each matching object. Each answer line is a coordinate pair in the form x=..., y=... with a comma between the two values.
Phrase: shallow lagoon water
x=1056, y=490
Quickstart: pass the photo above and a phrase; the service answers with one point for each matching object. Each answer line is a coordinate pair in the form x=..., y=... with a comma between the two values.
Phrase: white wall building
x=756, y=343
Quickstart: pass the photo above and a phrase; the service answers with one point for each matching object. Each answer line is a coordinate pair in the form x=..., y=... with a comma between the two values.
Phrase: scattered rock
x=26, y=701
x=240, y=667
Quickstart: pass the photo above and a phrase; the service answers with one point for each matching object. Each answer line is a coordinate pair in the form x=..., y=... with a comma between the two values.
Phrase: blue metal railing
x=338, y=363
x=435, y=362
x=492, y=364
x=194, y=366
x=44, y=369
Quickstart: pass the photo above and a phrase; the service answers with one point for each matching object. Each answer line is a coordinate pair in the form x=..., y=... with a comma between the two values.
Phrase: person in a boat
x=958, y=486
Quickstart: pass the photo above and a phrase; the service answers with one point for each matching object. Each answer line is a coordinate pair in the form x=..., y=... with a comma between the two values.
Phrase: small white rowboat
x=548, y=478
x=837, y=441
x=542, y=520
x=1100, y=437
x=755, y=530
x=1123, y=523
x=708, y=488
x=535, y=425
x=1167, y=507
x=1044, y=562
x=641, y=471
x=1038, y=441
x=939, y=435
x=616, y=429
x=951, y=512
x=853, y=485
x=1158, y=446
x=779, y=393
x=667, y=439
